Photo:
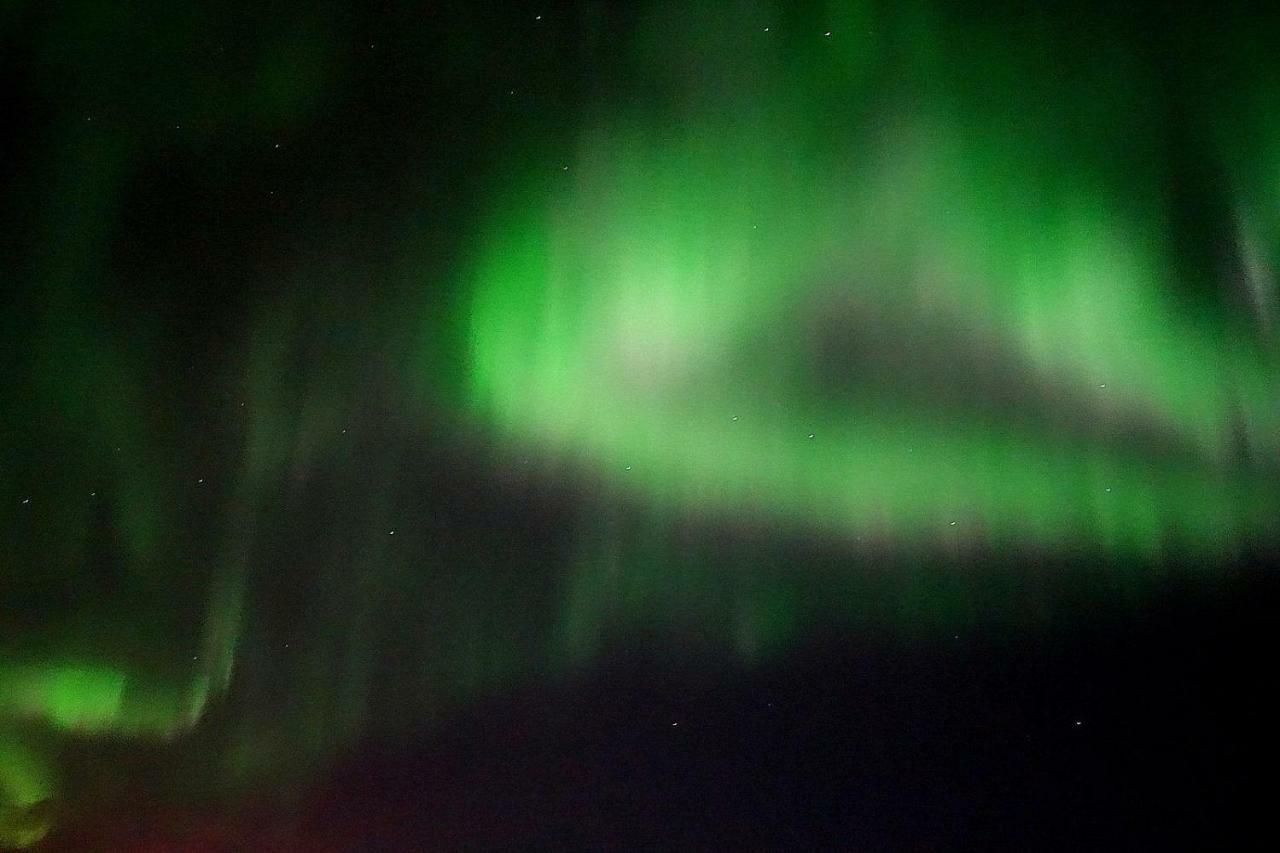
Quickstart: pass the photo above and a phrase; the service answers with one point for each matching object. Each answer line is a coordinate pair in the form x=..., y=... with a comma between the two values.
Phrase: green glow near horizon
x=89, y=697
x=25, y=781
x=86, y=693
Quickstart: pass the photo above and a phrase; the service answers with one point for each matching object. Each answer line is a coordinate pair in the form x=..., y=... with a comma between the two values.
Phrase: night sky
x=630, y=425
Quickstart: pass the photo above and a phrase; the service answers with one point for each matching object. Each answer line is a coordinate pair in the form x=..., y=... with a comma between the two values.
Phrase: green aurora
x=925, y=312
x=850, y=269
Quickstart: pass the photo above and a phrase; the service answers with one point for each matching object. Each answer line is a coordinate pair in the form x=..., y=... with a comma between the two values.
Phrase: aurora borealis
x=639, y=343
x=1056, y=385
x=368, y=365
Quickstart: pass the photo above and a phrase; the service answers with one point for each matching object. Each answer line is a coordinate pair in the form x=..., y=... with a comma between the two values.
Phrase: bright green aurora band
x=844, y=273
x=929, y=316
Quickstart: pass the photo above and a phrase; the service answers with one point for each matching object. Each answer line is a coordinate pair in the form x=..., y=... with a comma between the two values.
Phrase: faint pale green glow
x=90, y=697
x=85, y=698
x=25, y=782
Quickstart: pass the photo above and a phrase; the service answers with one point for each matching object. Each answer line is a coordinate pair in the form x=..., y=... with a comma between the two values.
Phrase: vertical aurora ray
x=114, y=622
